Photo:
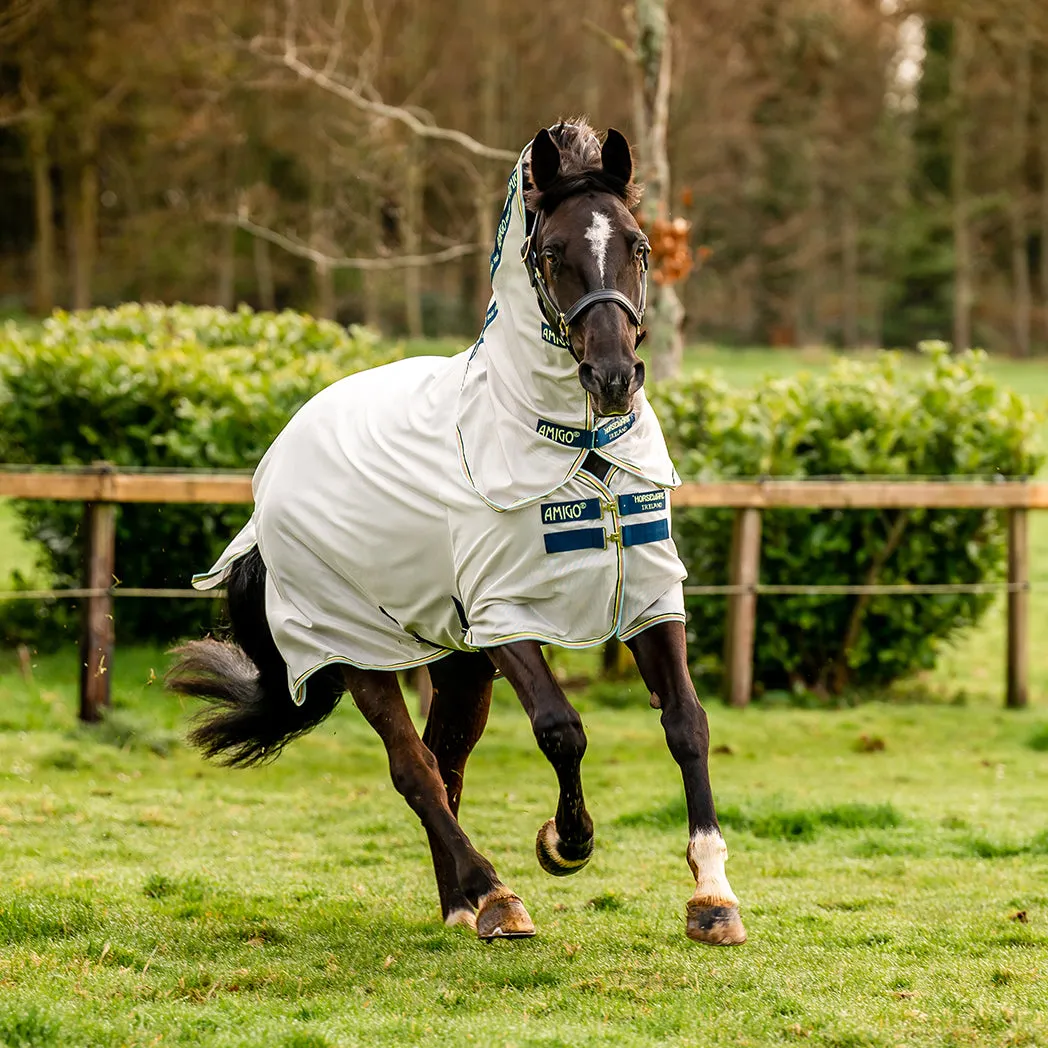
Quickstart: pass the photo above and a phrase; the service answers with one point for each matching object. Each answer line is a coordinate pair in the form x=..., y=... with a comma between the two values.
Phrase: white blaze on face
x=706, y=855
x=598, y=234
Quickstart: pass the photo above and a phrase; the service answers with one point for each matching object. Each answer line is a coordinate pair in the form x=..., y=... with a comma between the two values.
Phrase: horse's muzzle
x=611, y=389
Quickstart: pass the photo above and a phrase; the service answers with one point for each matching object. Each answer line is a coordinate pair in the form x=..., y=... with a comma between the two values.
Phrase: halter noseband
x=562, y=320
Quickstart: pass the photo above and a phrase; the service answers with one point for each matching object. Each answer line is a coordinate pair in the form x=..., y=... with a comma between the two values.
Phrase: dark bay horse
x=431, y=513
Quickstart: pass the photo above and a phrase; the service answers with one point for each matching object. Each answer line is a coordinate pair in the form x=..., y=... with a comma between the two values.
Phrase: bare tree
x=652, y=55
x=1020, y=17
x=963, y=295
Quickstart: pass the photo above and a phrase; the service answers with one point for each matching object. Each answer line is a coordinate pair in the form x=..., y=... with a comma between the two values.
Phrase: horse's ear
x=615, y=156
x=545, y=161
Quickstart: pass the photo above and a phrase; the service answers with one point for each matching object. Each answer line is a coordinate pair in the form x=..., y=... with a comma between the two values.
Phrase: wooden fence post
x=96, y=639
x=1017, y=695
x=741, y=624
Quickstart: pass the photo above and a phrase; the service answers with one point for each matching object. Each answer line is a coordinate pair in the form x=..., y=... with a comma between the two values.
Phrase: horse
x=427, y=513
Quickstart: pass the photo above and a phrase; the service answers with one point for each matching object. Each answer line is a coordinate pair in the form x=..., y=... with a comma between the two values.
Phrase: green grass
x=148, y=898
x=151, y=899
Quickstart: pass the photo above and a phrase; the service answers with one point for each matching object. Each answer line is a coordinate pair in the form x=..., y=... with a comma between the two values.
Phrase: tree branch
x=319, y=258
x=617, y=44
x=289, y=58
x=18, y=16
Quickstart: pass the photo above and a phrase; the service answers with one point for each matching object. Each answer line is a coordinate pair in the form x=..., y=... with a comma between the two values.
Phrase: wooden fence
x=101, y=488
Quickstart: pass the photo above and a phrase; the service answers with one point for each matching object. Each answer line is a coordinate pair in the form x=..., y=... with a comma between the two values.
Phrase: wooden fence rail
x=101, y=487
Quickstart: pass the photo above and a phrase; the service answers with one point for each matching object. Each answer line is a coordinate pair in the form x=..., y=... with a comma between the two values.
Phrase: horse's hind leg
x=416, y=776
x=565, y=842
x=713, y=911
x=457, y=716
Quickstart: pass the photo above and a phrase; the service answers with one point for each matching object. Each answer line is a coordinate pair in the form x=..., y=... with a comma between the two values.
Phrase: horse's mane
x=580, y=170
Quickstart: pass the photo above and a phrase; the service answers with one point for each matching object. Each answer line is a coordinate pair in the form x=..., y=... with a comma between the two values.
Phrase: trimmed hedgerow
x=863, y=418
x=157, y=386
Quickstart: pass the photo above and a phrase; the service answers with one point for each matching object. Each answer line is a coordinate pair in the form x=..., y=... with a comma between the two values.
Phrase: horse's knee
x=560, y=735
x=687, y=729
x=414, y=773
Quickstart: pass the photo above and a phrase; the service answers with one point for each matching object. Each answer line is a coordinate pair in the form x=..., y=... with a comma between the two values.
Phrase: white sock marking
x=463, y=917
x=598, y=234
x=707, y=853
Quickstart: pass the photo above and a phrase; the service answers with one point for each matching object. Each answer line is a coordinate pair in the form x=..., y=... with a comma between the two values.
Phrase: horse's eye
x=551, y=256
x=640, y=251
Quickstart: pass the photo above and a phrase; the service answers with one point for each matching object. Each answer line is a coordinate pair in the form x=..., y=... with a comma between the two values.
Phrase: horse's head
x=588, y=260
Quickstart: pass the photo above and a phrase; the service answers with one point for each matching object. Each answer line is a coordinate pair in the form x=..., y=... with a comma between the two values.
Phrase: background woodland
x=856, y=172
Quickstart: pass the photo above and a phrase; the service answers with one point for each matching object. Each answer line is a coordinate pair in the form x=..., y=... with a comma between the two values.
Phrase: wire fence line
x=755, y=478
x=725, y=590
x=102, y=487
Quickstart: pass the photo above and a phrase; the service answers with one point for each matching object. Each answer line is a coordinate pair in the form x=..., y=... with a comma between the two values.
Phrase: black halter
x=561, y=320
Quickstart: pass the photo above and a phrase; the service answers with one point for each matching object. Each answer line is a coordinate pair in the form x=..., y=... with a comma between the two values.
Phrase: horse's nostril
x=588, y=378
x=638, y=376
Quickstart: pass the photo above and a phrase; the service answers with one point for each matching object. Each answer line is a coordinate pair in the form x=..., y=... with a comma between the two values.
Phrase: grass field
x=147, y=898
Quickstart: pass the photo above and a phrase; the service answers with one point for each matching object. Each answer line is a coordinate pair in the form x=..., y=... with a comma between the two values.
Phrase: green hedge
x=157, y=386
x=153, y=386
x=886, y=417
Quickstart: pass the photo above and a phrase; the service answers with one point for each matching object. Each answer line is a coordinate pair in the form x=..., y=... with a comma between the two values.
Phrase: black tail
x=251, y=717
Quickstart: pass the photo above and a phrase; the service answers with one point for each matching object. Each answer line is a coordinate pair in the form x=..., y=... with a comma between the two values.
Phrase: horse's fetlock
x=479, y=881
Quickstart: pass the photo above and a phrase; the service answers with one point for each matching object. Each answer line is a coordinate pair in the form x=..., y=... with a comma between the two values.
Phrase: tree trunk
x=665, y=316
x=963, y=279
x=69, y=232
x=413, y=189
x=1044, y=220
x=814, y=277
x=37, y=128
x=44, y=210
x=849, y=275
x=324, y=305
x=225, y=291
x=86, y=217
x=1017, y=198
x=263, y=273
x=372, y=281
x=488, y=195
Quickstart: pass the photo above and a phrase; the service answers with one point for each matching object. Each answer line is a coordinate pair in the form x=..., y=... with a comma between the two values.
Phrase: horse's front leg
x=661, y=654
x=565, y=842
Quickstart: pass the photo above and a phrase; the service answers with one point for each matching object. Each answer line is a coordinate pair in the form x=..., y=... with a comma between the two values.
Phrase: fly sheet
x=439, y=504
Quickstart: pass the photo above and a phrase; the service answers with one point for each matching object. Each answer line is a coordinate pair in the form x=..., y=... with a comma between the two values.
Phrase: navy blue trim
x=642, y=502
x=640, y=534
x=569, y=512
x=489, y=316
x=588, y=439
x=504, y=218
x=577, y=538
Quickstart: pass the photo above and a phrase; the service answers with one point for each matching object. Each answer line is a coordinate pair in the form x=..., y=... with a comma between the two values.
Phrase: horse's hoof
x=461, y=918
x=502, y=916
x=715, y=925
x=555, y=857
